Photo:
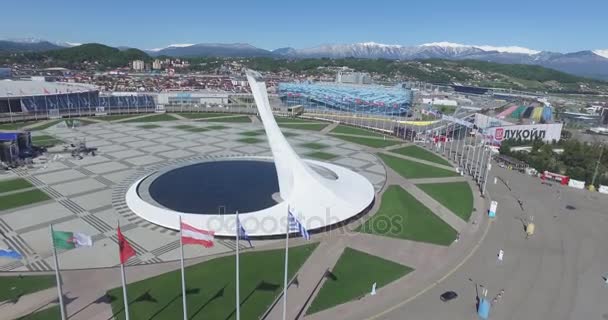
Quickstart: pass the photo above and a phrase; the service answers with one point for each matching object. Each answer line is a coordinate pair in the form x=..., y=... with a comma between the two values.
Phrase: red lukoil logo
x=499, y=134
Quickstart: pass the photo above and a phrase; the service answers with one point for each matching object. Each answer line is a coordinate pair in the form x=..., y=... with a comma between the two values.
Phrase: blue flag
x=12, y=254
x=242, y=233
x=296, y=226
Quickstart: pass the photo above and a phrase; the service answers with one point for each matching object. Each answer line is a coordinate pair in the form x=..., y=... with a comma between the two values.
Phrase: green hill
x=96, y=53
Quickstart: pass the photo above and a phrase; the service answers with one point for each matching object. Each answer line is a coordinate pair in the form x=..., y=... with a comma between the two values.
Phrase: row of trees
x=578, y=160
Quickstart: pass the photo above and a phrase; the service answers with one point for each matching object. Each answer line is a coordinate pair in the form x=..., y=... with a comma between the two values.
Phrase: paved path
x=133, y=118
x=32, y=302
x=310, y=279
x=428, y=163
x=554, y=275
x=38, y=124
x=439, y=180
x=437, y=208
x=329, y=128
x=179, y=116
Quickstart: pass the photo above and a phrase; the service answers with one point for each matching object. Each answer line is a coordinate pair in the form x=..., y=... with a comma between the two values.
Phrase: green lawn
x=304, y=126
x=252, y=133
x=15, y=286
x=22, y=198
x=314, y=145
x=403, y=216
x=353, y=276
x=287, y=134
x=413, y=170
x=14, y=184
x=203, y=115
x=153, y=118
x=183, y=127
x=370, y=142
x=14, y=125
x=52, y=313
x=115, y=117
x=45, y=141
x=321, y=155
x=211, y=288
x=420, y=153
x=216, y=127
x=357, y=131
x=250, y=140
x=456, y=196
x=230, y=119
x=295, y=120
x=190, y=128
x=47, y=125
x=149, y=126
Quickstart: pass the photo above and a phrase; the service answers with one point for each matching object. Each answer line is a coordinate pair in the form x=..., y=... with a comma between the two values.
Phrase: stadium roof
x=9, y=88
x=358, y=94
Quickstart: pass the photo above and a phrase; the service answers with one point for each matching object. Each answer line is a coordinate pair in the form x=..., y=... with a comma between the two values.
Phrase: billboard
x=483, y=121
x=545, y=132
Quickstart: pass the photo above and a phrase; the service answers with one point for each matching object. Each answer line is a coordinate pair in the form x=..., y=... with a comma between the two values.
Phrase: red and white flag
x=192, y=235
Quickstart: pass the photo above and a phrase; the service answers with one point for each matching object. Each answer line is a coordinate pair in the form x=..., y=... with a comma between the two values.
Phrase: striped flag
x=192, y=235
x=296, y=226
x=242, y=232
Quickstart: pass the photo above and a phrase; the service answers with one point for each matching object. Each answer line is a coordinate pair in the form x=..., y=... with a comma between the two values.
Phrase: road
x=556, y=274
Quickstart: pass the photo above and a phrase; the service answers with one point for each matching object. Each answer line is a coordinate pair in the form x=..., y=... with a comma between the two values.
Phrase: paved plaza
x=88, y=194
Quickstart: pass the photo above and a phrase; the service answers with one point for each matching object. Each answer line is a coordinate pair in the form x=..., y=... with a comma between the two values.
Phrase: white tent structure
x=321, y=194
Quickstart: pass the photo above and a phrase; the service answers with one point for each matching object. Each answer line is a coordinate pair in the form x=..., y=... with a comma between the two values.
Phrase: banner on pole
x=492, y=212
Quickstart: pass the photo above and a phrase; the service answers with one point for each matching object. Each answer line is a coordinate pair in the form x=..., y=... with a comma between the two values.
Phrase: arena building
x=40, y=99
x=370, y=99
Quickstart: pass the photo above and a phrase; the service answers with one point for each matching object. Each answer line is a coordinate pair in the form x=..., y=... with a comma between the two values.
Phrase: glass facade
x=358, y=99
x=78, y=102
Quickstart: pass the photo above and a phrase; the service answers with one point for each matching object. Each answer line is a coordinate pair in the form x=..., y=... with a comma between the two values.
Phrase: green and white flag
x=71, y=240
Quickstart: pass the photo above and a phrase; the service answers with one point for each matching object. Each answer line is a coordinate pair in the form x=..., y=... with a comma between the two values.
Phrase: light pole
x=597, y=165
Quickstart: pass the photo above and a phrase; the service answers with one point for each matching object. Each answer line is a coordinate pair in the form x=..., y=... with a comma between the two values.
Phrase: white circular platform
x=350, y=195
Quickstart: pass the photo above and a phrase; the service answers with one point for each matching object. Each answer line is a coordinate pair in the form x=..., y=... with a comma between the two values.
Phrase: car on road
x=448, y=295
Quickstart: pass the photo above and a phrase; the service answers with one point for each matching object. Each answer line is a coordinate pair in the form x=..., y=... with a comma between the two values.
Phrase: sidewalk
x=309, y=280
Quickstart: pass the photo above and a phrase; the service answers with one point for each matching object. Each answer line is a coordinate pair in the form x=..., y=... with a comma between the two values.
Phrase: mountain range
x=588, y=63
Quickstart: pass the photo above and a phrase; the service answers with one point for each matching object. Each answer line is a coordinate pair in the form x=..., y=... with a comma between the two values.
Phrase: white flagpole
x=124, y=290
x=286, y=261
x=181, y=250
x=58, y=277
x=238, y=298
x=124, y=287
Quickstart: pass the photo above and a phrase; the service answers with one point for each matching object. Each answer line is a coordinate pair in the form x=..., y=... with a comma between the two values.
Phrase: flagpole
x=124, y=285
x=238, y=299
x=181, y=250
x=58, y=277
x=286, y=262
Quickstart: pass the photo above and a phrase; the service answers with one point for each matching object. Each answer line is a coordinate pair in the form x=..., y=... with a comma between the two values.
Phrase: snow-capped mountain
x=211, y=50
x=602, y=53
x=444, y=50
x=585, y=63
x=175, y=45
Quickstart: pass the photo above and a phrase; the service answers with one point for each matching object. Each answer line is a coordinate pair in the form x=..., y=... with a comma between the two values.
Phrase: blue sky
x=536, y=24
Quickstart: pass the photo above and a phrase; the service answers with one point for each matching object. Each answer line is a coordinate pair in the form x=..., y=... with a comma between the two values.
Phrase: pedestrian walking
x=501, y=254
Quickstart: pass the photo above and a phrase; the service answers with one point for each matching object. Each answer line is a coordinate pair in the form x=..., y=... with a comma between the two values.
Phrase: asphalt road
x=556, y=274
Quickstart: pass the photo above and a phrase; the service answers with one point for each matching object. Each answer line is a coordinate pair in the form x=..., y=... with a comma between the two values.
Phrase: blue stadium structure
x=368, y=99
x=54, y=99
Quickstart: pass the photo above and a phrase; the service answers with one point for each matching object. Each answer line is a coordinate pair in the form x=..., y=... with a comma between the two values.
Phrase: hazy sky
x=554, y=25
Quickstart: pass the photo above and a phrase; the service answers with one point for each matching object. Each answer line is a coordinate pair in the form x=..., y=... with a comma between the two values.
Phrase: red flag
x=45, y=91
x=192, y=235
x=126, y=251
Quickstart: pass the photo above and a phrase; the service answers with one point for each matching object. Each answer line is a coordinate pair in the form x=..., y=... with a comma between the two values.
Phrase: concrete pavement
x=556, y=274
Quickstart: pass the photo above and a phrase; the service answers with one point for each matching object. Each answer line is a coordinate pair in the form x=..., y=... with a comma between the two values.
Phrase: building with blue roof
x=369, y=99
